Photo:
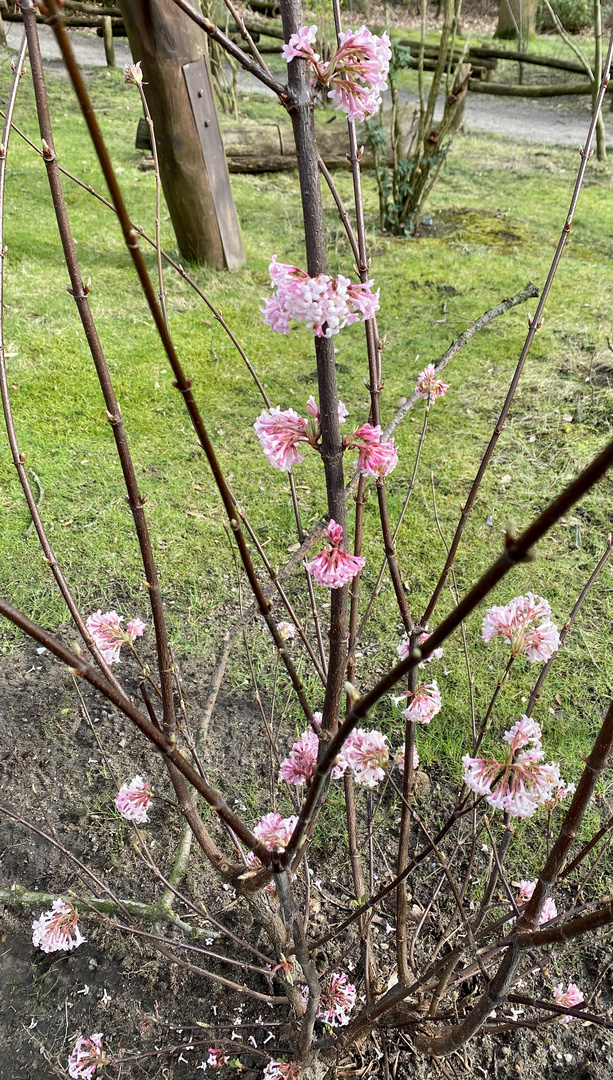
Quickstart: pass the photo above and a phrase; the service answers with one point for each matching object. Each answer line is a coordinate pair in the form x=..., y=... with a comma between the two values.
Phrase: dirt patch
x=57, y=771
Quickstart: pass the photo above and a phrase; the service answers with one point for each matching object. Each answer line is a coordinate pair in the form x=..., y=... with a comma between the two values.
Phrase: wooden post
x=198, y=198
x=107, y=36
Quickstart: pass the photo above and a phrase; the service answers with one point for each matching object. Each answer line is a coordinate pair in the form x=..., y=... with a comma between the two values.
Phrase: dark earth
x=56, y=773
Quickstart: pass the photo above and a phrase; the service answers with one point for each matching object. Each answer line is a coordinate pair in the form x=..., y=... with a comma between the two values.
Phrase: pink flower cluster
x=323, y=303
x=281, y=1070
x=132, y=73
x=287, y=630
x=365, y=752
x=549, y=910
x=334, y=567
x=281, y=431
x=85, y=1058
x=336, y=1002
x=275, y=831
x=404, y=649
x=515, y=622
x=133, y=799
x=425, y=703
x=299, y=767
x=399, y=758
x=429, y=386
x=217, y=1058
x=568, y=998
x=109, y=636
x=56, y=930
x=356, y=74
x=375, y=458
x=521, y=783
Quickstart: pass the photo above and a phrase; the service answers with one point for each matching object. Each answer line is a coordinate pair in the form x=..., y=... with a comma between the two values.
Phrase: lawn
x=497, y=214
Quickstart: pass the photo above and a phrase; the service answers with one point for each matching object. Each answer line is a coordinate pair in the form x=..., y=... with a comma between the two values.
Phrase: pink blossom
x=313, y=408
x=367, y=754
x=299, y=45
x=404, y=649
x=300, y=766
x=281, y=1070
x=287, y=630
x=85, y=1057
x=108, y=634
x=549, y=910
x=133, y=800
x=521, y=782
x=135, y=628
x=275, y=831
x=514, y=622
x=319, y=302
x=568, y=998
x=399, y=758
x=357, y=72
x=425, y=703
x=279, y=433
x=526, y=888
x=375, y=458
x=334, y=567
x=336, y=1002
x=132, y=73
x=56, y=930
x=429, y=386
x=217, y=1058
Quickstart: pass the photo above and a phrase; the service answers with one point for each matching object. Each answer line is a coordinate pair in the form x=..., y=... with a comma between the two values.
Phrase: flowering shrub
x=459, y=943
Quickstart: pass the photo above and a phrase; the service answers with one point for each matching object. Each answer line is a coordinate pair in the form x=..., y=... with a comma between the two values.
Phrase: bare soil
x=57, y=771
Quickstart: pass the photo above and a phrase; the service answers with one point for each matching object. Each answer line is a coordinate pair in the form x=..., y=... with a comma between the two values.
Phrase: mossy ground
x=498, y=212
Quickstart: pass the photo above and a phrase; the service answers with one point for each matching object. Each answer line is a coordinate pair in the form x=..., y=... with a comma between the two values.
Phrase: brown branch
x=228, y=45
x=535, y=325
x=182, y=383
x=516, y=552
x=16, y=454
x=170, y=752
x=534, y=696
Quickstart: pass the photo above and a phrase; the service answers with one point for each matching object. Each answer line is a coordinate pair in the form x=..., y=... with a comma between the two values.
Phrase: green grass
x=498, y=211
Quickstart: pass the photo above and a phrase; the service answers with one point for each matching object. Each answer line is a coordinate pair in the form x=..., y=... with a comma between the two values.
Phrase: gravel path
x=554, y=122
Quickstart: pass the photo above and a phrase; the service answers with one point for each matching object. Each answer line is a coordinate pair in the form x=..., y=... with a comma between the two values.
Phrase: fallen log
x=91, y=9
x=268, y=7
x=485, y=52
x=71, y=20
x=521, y=91
x=258, y=148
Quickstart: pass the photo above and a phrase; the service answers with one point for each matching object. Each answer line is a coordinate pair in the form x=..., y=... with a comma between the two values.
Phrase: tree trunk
x=517, y=18
x=164, y=39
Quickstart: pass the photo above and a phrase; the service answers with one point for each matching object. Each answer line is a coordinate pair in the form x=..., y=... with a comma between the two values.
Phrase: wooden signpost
x=171, y=49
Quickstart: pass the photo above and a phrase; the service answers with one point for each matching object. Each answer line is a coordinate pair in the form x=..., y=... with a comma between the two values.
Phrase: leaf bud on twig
x=351, y=691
